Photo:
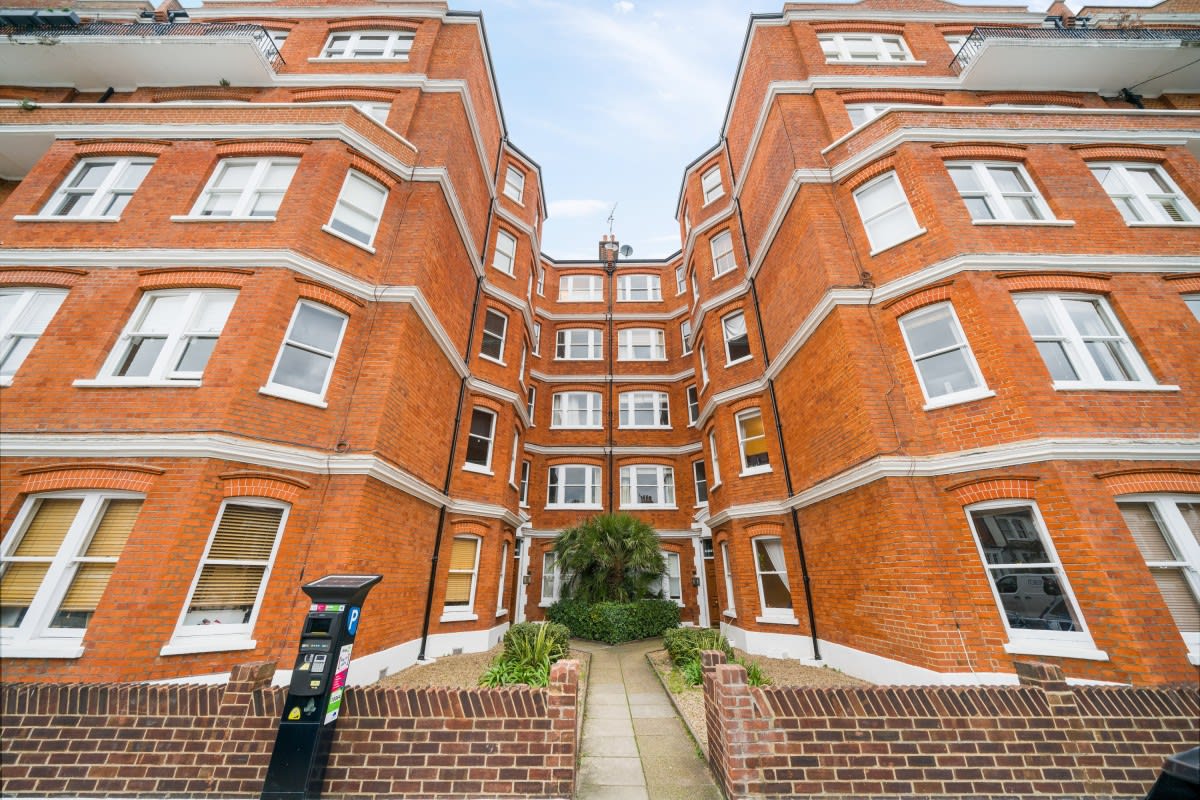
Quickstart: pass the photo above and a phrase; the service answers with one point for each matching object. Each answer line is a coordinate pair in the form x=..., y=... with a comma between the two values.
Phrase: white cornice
x=492, y=390
x=603, y=378
x=649, y=316
x=511, y=300
x=689, y=244
x=218, y=9
x=244, y=259
x=728, y=396
x=620, y=450
x=706, y=306
x=984, y=458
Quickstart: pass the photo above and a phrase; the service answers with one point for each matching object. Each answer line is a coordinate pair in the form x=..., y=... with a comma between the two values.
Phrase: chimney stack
x=609, y=250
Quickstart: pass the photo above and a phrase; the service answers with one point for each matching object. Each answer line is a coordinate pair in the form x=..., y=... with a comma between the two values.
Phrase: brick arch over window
x=58, y=277
x=122, y=147
x=1007, y=487
x=891, y=96
x=1031, y=98
x=1043, y=280
x=371, y=169
x=372, y=23
x=1184, y=283
x=469, y=526
x=262, y=148
x=200, y=93
x=885, y=163
x=207, y=278
x=1120, y=152
x=318, y=293
x=926, y=296
x=645, y=461
x=992, y=151
x=336, y=93
x=89, y=475
x=857, y=27
x=249, y=483
x=1151, y=479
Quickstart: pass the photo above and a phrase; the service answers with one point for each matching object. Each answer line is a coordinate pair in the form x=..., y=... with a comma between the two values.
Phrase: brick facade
x=1042, y=739
x=130, y=740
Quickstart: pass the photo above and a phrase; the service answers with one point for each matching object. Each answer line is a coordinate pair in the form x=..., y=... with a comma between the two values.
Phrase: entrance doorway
x=710, y=583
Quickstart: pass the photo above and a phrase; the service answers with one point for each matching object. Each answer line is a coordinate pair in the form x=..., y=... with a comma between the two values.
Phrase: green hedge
x=685, y=644
x=614, y=623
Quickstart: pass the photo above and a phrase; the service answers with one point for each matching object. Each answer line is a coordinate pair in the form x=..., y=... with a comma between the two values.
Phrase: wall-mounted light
x=525, y=579
x=695, y=580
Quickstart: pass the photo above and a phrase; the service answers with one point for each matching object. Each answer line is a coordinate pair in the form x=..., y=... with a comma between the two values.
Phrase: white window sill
x=1158, y=224
x=890, y=245
x=573, y=507
x=644, y=427
x=285, y=393
x=880, y=63
x=687, y=352
x=1062, y=223
x=134, y=383
x=709, y=201
x=345, y=238
x=648, y=507
x=522, y=505
x=492, y=359
x=502, y=612
x=503, y=271
x=516, y=200
x=1045, y=647
x=1115, y=386
x=39, y=218
x=729, y=612
x=70, y=648
x=743, y=360
x=754, y=471
x=469, y=467
x=562, y=299
x=6, y=380
x=560, y=358
x=639, y=300
x=185, y=645
x=634, y=360
x=701, y=505
x=368, y=59
x=773, y=620
x=958, y=398
x=1194, y=658
x=546, y=603
x=190, y=218
x=713, y=488
x=458, y=616
x=723, y=273
x=576, y=427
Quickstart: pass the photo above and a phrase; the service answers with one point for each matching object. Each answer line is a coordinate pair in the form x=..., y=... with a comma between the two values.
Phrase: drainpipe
x=787, y=471
x=609, y=269
x=458, y=414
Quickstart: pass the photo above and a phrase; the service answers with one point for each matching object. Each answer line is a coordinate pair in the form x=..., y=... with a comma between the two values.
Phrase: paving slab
x=593, y=726
x=624, y=746
x=614, y=793
x=611, y=771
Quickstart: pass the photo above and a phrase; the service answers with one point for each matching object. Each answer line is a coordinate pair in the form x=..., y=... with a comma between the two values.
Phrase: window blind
x=245, y=534
x=462, y=572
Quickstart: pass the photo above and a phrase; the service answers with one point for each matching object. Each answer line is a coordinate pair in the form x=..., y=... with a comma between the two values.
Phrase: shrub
x=529, y=650
x=609, y=558
x=693, y=672
x=754, y=674
x=685, y=644
x=614, y=623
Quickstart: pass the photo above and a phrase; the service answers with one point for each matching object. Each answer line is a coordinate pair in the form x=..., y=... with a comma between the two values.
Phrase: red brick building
x=917, y=396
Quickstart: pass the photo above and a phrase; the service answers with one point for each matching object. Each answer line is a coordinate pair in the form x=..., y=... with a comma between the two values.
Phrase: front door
x=710, y=583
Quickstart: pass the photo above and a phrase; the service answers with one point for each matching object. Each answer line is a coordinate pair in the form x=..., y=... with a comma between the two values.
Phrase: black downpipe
x=109, y=92
x=458, y=414
x=783, y=455
x=609, y=346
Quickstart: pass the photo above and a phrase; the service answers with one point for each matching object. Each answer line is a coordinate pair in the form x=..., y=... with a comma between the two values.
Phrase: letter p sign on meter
x=352, y=620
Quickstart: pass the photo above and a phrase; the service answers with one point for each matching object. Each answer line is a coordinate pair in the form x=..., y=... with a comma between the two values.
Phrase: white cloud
x=577, y=209
x=623, y=7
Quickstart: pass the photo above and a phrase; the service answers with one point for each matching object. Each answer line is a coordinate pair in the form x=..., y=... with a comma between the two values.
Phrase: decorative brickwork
x=125, y=740
x=1042, y=739
x=1133, y=481
x=89, y=475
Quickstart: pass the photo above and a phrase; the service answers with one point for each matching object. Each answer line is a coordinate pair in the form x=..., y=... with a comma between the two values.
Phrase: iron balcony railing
x=156, y=30
x=980, y=36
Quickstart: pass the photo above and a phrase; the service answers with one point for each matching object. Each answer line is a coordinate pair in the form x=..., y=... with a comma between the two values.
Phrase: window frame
x=536, y=343
x=664, y=486
x=626, y=409
x=723, y=259
x=727, y=568
x=729, y=359
x=875, y=184
x=1151, y=212
x=559, y=409
x=710, y=189
x=531, y=403
x=627, y=344
x=502, y=337
x=868, y=112
x=979, y=390
x=1175, y=531
x=776, y=614
x=703, y=365
x=353, y=175
x=11, y=331
x=685, y=336
x=994, y=198
x=464, y=612
x=883, y=55
x=550, y=570
x=33, y=636
x=1077, y=644
x=501, y=608
x=1192, y=301
x=272, y=387
x=512, y=459
x=716, y=465
x=103, y=196
x=474, y=466
x=680, y=280
x=394, y=38
x=174, y=341
x=249, y=194
x=1073, y=344
x=700, y=479
x=509, y=252
x=692, y=395
x=738, y=419
x=514, y=189
x=665, y=584
x=523, y=486
x=594, y=344
x=569, y=292
x=627, y=292
x=592, y=485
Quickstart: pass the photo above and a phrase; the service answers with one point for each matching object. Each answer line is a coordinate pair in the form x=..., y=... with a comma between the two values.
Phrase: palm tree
x=612, y=557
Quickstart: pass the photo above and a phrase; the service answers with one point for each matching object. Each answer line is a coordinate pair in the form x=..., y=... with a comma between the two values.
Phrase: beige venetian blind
x=107, y=542
x=245, y=534
x=42, y=539
x=1165, y=565
x=462, y=572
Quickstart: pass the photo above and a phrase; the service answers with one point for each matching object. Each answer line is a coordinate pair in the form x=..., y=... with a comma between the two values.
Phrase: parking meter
x=314, y=697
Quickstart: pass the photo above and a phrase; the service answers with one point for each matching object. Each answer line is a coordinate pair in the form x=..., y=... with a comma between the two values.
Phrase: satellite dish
x=626, y=251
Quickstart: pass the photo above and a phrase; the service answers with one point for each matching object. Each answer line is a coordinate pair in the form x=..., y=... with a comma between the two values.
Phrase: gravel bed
x=460, y=672
x=689, y=700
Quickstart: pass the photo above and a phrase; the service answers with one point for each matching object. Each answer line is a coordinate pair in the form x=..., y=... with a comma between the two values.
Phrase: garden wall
x=176, y=741
x=1041, y=739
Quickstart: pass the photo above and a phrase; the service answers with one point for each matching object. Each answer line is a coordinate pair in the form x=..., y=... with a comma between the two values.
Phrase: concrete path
x=634, y=746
